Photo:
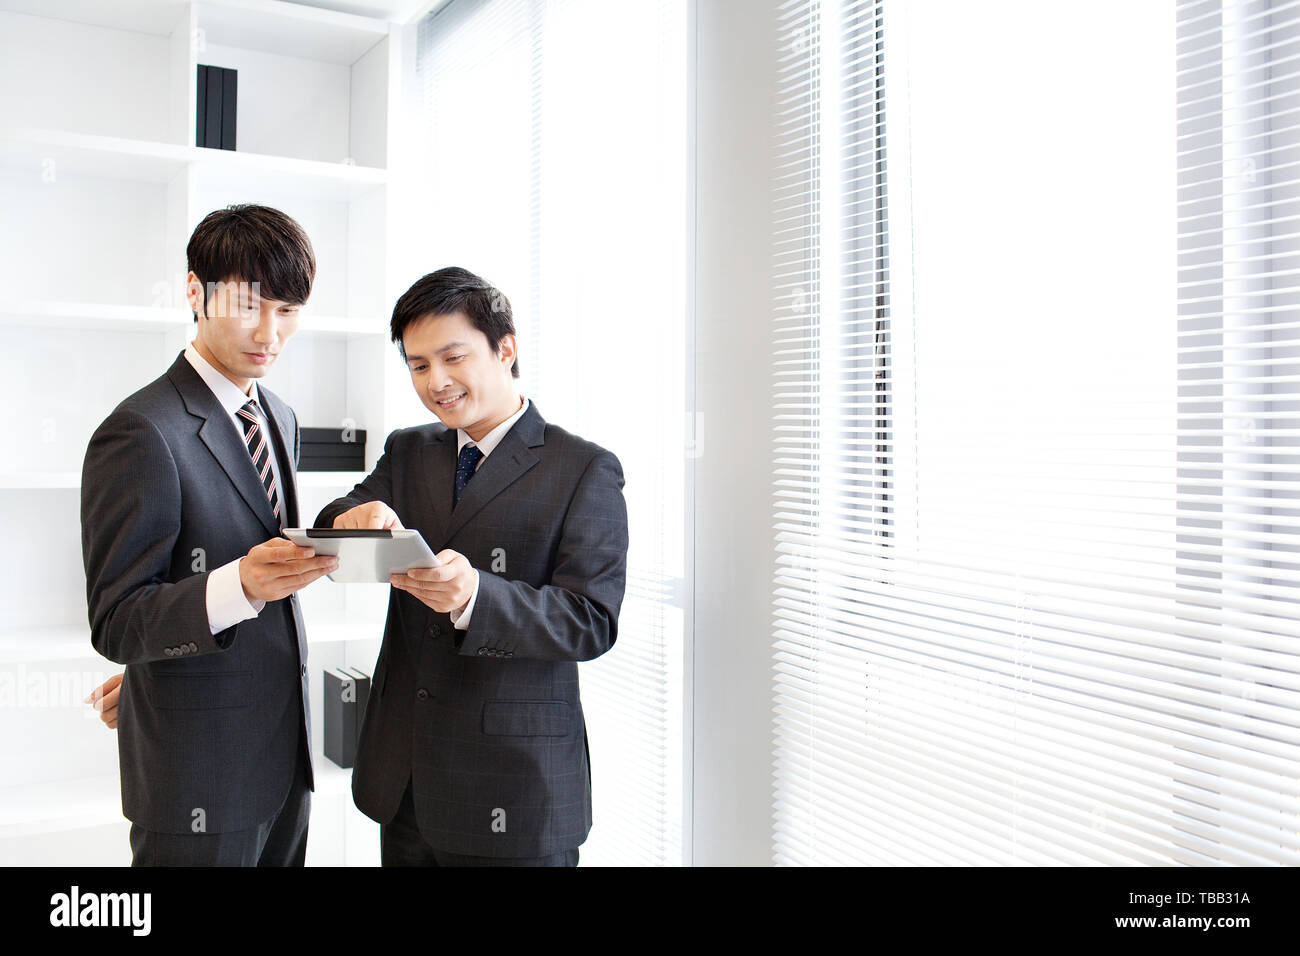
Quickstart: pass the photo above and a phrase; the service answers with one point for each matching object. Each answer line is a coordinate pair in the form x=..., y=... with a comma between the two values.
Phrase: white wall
x=734, y=566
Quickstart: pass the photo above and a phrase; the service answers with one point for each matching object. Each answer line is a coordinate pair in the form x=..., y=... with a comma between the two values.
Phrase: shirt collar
x=492, y=438
x=226, y=391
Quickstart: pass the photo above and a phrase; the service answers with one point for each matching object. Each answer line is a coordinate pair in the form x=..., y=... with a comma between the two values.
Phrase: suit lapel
x=438, y=474
x=221, y=436
x=512, y=458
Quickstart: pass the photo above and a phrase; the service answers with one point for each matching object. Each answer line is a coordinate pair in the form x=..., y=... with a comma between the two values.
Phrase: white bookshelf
x=55, y=806
x=56, y=642
x=356, y=629
x=102, y=184
x=104, y=317
x=337, y=482
x=94, y=316
x=39, y=480
x=291, y=29
x=108, y=157
x=102, y=157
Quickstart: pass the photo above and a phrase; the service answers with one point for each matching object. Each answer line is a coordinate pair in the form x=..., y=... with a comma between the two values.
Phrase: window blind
x=1035, y=598
x=554, y=165
x=832, y=401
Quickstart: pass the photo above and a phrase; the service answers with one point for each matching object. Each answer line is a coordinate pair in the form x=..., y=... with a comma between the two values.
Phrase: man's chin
x=452, y=419
x=256, y=370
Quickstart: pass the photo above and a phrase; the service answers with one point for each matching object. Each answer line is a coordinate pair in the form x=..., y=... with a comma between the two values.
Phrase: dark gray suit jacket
x=487, y=723
x=205, y=722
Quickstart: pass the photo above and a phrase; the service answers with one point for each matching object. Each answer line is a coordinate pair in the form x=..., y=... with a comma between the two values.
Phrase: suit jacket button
x=169, y=652
x=193, y=646
x=510, y=653
x=304, y=670
x=422, y=694
x=483, y=652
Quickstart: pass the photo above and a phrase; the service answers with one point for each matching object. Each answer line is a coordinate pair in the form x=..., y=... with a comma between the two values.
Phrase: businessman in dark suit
x=473, y=748
x=185, y=489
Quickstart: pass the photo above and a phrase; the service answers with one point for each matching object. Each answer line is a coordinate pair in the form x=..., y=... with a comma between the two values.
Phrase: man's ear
x=194, y=295
x=506, y=350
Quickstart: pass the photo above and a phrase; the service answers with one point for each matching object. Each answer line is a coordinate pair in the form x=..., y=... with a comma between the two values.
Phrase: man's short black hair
x=248, y=243
x=452, y=290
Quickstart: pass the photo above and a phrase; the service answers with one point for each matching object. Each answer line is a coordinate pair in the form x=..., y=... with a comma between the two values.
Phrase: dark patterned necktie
x=465, y=465
x=260, y=451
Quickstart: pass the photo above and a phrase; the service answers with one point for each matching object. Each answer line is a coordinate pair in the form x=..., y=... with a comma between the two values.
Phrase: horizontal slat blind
x=1054, y=620
x=832, y=404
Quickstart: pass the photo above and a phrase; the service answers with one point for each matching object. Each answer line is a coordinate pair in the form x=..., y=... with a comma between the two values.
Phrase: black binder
x=216, y=120
x=201, y=125
x=212, y=126
x=229, y=91
x=341, y=717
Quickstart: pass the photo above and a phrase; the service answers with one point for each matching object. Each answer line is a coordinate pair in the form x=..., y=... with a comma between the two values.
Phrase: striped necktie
x=260, y=451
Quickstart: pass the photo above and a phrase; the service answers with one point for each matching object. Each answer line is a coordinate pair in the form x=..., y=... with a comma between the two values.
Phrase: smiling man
x=473, y=748
x=185, y=489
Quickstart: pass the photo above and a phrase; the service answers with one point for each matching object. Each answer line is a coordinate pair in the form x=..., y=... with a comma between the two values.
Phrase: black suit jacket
x=487, y=723
x=210, y=723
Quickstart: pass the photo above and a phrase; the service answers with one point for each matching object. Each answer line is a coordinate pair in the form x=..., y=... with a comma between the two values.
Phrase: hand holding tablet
x=367, y=554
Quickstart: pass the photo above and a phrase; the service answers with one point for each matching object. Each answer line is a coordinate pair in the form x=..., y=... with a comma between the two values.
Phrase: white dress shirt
x=460, y=619
x=227, y=605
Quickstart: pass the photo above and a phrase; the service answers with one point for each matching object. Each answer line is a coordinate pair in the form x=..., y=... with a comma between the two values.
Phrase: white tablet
x=368, y=555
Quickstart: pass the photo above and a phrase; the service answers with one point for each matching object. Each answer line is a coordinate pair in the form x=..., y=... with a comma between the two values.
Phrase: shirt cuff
x=227, y=605
x=460, y=619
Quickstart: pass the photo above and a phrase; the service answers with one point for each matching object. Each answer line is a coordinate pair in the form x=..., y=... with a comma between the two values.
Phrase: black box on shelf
x=216, y=120
x=201, y=115
x=229, y=93
x=332, y=449
x=346, y=692
x=212, y=118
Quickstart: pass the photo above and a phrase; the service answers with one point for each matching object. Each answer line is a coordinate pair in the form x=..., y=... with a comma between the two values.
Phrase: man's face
x=458, y=376
x=240, y=333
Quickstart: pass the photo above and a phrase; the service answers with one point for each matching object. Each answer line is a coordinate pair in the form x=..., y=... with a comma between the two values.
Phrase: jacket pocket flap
x=526, y=718
x=201, y=691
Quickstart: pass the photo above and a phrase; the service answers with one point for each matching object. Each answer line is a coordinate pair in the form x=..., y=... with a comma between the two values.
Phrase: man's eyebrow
x=446, y=348
x=254, y=299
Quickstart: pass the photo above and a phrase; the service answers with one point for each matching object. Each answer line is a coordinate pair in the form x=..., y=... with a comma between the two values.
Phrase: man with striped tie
x=185, y=489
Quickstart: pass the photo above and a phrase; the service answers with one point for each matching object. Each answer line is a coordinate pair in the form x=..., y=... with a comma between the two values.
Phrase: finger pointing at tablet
x=373, y=514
